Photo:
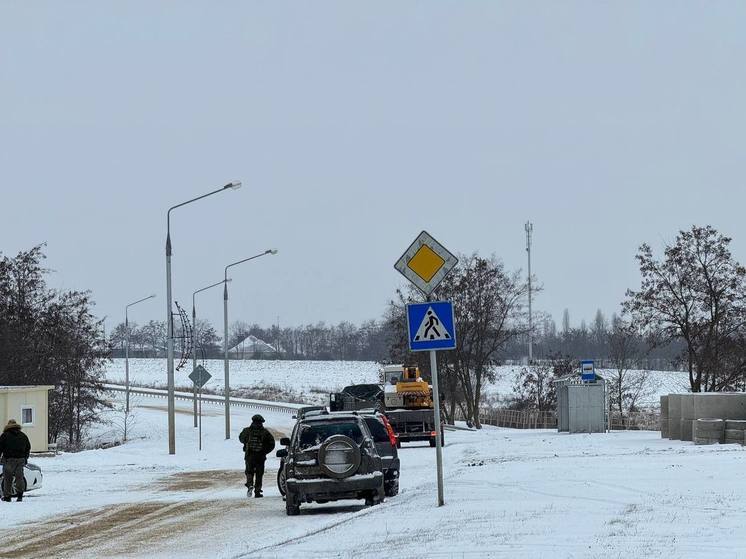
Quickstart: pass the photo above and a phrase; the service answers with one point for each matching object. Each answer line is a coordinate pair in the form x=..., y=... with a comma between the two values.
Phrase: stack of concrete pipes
x=705, y=418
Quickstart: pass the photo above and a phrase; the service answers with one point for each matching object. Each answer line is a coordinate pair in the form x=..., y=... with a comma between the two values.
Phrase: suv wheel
x=392, y=488
x=339, y=457
x=281, y=478
x=292, y=507
x=372, y=500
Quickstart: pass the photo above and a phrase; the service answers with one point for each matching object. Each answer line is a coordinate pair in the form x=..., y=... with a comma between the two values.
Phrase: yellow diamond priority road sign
x=425, y=263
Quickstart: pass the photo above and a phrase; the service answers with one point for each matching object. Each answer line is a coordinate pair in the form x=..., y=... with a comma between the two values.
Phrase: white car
x=32, y=476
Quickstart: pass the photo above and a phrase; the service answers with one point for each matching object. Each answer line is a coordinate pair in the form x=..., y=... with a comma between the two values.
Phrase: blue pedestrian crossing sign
x=431, y=326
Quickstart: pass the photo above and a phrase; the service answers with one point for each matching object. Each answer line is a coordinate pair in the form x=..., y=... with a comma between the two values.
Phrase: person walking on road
x=257, y=443
x=14, y=452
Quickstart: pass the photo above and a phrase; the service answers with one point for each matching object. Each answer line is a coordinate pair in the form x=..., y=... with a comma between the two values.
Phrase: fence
x=533, y=419
x=635, y=421
x=516, y=419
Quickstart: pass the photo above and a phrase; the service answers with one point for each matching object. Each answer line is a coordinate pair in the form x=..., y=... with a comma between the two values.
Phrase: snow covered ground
x=302, y=377
x=315, y=379
x=508, y=494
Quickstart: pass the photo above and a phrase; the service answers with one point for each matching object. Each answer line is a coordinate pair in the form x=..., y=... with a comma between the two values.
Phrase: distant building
x=250, y=347
x=29, y=406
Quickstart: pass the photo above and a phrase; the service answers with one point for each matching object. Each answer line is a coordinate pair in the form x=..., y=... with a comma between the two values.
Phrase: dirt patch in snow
x=200, y=481
x=125, y=529
x=209, y=479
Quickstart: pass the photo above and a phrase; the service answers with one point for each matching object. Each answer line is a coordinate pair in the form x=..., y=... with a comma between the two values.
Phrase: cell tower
x=529, y=234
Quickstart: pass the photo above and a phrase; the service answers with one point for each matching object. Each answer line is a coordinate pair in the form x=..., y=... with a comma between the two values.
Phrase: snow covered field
x=298, y=376
x=508, y=494
x=315, y=379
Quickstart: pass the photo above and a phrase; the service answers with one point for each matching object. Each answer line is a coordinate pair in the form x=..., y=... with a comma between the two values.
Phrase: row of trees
x=343, y=341
x=149, y=340
x=370, y=341
x=50, y=337
x=589, y=342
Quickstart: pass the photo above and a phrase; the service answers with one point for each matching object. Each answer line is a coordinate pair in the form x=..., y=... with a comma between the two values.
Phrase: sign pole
x=199, y=377
x=438, y=426
x=431, y=325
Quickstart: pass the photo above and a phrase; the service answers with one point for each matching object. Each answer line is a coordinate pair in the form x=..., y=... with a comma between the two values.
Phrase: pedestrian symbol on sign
x=430, y=328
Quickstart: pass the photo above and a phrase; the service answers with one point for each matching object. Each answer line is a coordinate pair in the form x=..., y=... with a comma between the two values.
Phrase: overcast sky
x=353, y=127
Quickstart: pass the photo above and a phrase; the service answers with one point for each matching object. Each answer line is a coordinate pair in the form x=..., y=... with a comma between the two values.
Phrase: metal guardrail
x=211, y=398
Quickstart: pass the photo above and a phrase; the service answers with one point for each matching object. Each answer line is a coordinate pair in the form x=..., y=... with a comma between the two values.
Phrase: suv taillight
x=389, y=430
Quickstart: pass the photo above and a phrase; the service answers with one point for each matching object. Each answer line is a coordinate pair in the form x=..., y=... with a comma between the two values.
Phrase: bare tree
x=627, y=386
x=534, y=388
x=123, y=421
x=697, y=294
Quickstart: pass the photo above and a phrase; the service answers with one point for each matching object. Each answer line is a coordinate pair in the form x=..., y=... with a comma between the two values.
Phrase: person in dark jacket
x=257, y=443
x=14, y=452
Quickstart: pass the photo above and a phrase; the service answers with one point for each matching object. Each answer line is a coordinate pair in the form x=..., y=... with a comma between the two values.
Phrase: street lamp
x=225, y=340
x=127, y=352
x=169, y=317
x=194, y=339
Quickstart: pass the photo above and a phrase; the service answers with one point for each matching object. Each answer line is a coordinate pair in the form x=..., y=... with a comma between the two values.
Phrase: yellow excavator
x=408, y=401
x=405, y=388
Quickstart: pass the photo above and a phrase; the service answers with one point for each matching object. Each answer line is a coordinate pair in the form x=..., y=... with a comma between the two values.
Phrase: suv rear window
x=377, y=429
x=314, y=434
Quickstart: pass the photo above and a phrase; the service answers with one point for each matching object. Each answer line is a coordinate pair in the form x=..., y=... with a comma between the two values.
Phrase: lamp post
x=194, y=338
x=169, y=317
x=127, y=353
x=225, y=340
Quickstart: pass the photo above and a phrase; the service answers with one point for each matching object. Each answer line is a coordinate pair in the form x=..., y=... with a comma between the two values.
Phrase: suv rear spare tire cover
x=339, y=457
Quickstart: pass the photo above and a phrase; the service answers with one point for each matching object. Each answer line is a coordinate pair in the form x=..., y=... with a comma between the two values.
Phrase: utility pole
x=529, y=234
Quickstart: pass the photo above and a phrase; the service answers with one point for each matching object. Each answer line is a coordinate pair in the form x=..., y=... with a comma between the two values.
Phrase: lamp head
x=271, y=251
x=233, y=185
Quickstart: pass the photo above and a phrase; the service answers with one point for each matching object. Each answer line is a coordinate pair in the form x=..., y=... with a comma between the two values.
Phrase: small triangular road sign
x=431, y=328
x=200, y=376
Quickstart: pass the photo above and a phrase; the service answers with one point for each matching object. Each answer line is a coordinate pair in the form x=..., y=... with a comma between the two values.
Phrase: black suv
x=330, y=457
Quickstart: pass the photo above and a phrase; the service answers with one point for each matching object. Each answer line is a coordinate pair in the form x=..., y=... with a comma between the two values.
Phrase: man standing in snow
x=14, y=452
x=257, y=443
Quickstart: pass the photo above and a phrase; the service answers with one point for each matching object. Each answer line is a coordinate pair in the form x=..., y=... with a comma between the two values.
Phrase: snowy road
x=508, y=494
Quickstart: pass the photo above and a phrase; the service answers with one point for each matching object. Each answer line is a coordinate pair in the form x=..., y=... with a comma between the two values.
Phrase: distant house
x=250, y=347
x=29, y=406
